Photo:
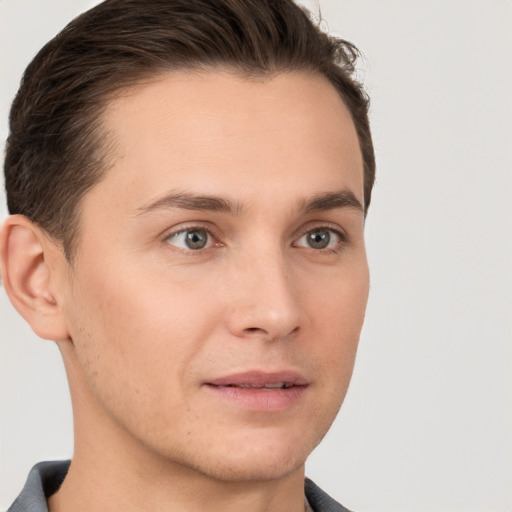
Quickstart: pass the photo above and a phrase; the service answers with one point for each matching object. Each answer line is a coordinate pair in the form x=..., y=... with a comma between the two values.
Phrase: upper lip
x=257, y=378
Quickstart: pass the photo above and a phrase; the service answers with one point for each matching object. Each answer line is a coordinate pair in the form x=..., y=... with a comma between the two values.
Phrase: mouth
x=270, y=385
x=260, y=391
x=261, y=380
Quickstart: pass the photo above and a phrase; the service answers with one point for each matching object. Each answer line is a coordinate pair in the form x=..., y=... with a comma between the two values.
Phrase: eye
x=193, y=239
x=320, y=238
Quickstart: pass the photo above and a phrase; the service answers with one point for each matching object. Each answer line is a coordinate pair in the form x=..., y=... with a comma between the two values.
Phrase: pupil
x=196, y=239
x=319, y=239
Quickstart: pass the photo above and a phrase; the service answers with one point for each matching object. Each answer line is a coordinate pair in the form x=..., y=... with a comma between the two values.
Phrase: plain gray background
x=427, y=424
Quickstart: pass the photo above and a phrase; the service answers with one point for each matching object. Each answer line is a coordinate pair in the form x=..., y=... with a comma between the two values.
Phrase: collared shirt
x=45, y=479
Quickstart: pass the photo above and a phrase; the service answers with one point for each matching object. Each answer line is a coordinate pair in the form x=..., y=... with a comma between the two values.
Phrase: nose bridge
x=264, y=298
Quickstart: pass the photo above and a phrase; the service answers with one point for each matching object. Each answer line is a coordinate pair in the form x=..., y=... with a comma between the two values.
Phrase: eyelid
x=311, y=226
x=193, y=226
x=216, y=242
x=335, y=228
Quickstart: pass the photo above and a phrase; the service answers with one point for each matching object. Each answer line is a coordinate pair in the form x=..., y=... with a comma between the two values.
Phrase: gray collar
x=46, y=477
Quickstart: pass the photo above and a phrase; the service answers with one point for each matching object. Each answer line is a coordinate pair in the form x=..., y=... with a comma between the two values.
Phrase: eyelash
x=188, y=229
x=341, y=235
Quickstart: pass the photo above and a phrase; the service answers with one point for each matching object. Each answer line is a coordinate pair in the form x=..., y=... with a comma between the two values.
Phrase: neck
x=130, y=490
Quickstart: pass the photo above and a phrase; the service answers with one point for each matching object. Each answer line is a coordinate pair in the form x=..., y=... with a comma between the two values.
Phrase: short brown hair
x=56, y=151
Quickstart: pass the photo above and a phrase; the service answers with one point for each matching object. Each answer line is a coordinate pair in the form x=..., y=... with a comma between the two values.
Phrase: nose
x=264, y=299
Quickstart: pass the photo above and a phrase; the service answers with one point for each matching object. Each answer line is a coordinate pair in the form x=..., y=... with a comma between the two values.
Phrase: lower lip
x=260, y=399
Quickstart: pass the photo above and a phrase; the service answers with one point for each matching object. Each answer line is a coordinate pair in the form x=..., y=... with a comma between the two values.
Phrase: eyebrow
x=320, y=202
x=187, y=201
x=331, y=200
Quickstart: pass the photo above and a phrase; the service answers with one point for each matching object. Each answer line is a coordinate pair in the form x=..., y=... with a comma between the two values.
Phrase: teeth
x=274, y=385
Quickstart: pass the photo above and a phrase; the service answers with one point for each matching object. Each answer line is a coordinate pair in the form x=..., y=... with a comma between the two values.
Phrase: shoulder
x=319, y=500
x=43, y=480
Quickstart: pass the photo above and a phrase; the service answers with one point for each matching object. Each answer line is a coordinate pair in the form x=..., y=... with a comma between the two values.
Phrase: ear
x=28, y=264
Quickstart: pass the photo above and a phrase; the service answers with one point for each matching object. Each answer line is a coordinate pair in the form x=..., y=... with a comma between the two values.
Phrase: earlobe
x=27, y=277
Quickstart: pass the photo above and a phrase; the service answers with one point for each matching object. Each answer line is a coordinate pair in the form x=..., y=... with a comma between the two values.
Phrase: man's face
x=221, y=280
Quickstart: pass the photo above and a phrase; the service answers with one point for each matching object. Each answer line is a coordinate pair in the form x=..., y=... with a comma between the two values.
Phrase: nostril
x=257, y=332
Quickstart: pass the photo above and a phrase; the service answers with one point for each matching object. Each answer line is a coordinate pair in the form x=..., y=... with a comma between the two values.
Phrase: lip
x=260, y=391
x=259, y=378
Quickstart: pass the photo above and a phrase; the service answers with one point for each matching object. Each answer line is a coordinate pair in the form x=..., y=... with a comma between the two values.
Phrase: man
x=188, y=182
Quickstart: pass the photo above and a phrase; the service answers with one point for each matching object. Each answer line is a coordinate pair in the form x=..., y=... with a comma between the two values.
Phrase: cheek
x=336, y=316
x=338, y=303
x=137, y=335
x=337, y=313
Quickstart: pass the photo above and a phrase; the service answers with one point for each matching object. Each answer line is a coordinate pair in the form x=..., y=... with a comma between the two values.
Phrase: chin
x=256, y=458
x=250, y=469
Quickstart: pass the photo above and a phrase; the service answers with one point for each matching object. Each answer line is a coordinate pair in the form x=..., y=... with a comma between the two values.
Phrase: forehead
x=214, y=129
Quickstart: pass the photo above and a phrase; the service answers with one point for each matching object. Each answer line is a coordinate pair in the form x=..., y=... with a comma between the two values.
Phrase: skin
x=143, y=321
